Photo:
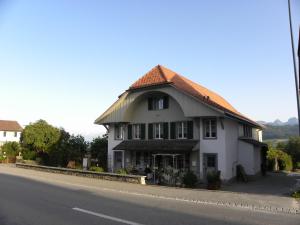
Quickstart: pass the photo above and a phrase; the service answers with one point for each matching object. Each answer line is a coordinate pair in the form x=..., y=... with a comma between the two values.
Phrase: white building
x=9, y=131
x=164, y=119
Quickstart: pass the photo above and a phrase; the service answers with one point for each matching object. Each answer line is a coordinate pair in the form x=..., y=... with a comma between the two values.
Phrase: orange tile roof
x=8, y=125
x=160, y=75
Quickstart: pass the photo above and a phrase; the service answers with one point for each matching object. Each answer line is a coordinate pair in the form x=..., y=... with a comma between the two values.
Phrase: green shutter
x=150, y=100
x=166, y=102
x=143, y=131
x=129, y=133
x=173, y=130
x=166, y=130
x=150, y=131
x=190, y=130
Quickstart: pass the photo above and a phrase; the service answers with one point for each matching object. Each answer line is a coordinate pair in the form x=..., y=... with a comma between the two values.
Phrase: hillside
x=280, y=132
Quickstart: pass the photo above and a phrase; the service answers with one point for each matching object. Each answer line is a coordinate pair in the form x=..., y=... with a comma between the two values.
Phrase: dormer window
x=158, y=103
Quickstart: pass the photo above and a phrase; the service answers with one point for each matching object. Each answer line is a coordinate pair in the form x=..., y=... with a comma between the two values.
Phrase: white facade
x=7, y=136
x=230, y=138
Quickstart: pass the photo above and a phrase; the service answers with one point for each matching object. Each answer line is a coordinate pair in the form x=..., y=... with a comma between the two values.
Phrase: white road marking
x=106, y=216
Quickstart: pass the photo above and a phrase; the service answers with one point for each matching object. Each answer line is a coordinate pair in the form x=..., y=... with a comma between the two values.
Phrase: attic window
x=158, y=103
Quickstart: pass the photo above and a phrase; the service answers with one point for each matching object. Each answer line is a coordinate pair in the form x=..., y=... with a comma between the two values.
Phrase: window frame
x=120, y=135
x=160, y=131
x=134, y=131
x=210, y=137
x=182, y=128
x=247, y=131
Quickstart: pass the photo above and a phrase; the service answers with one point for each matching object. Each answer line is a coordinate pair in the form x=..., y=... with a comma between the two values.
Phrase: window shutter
x=190, y=130
x=150, y=100
x=129, y=133
x=143, y=131
x=166, y=130
x=166, y=102
x=150, y=131
x=173, y=130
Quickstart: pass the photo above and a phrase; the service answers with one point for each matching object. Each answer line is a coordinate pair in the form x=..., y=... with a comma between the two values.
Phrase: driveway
x=276, y=184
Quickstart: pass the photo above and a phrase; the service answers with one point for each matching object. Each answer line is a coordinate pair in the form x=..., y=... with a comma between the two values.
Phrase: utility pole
x=294, y=62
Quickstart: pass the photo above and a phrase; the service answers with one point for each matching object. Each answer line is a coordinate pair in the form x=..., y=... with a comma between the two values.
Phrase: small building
x=165, y=120
x=9, y=131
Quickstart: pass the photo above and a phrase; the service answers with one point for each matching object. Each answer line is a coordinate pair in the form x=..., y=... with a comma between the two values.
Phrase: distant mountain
x=291, y=121
x=279, y=129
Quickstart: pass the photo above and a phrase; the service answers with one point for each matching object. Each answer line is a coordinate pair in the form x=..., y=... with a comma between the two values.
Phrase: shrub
x=296, y=194
x=11, y=148
x=122, y=171
x=298, y=165
x=213, y=180
x=279, y=160
x=28, y=155
x=96, y=169
x=189, y=179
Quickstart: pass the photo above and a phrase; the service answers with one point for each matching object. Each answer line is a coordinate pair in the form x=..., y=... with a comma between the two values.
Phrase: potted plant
x=213, y=180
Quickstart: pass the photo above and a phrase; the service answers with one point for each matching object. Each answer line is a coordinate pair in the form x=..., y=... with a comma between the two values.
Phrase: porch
x=162, y=161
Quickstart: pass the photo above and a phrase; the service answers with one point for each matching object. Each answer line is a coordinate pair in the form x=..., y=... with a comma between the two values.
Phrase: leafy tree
x=99, y=150
x=39, y=136
x=58, y=154
x=279, y=160
x=293, y=148
x=77, y=148
x=11, y=148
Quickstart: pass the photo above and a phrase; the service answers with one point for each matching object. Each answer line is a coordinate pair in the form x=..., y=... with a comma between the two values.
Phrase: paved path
x=32, y=197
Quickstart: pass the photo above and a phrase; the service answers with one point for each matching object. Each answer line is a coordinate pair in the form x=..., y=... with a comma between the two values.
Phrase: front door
x=118, y=160
x=210, y=163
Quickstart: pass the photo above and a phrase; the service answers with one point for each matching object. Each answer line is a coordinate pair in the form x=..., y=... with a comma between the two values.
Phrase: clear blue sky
x=67, y=61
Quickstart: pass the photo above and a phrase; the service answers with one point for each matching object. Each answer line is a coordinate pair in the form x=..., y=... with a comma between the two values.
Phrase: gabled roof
x=160, y=75
x=9, y=125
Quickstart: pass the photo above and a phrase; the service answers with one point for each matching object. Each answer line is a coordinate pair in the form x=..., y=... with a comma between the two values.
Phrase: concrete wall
x=232, y=147
x=246, y=157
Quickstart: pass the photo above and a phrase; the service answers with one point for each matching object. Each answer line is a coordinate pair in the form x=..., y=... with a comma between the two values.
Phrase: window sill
x=210, y=138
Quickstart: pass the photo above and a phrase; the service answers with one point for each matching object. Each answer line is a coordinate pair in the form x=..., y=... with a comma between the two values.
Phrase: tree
x=279, y=160
x=293, y=148
x=39, y=136
x=77, y=148
x=58, y=154
x=99, y=150
x=11, y=148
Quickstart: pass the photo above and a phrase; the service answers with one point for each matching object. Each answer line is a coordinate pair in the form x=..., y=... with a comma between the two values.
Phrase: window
x=158, y=130
x=4, y=133
x=16, y=134
x=247, y=131
x=158, y=103
x=181, y=128
x=136, y=129
x=210, y=128
x=119, y=132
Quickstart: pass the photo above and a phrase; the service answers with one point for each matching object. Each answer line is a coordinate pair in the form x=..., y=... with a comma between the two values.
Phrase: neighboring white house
x=9, y=131
x=166, y=120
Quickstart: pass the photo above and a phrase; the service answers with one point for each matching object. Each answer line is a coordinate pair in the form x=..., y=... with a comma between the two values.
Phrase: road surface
x=28, y=200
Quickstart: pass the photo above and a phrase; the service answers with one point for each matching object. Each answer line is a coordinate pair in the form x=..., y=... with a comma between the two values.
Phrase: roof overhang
x=158, y=146
x=253, y=142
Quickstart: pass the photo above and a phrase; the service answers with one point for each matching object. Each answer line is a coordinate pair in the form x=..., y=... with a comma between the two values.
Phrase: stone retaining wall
x=104, y=176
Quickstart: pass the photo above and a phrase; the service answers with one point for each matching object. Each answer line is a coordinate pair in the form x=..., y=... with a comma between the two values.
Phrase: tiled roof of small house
x=160, y=75
x=9, y=125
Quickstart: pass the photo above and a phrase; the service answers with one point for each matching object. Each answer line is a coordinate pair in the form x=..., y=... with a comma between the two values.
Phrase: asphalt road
x=25, y=201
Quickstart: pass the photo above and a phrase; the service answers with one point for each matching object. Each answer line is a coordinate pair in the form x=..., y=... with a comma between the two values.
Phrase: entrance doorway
x=118, y=160
x=210, y=163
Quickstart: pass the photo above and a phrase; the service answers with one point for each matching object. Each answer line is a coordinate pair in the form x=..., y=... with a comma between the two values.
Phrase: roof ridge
x=162, y=73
